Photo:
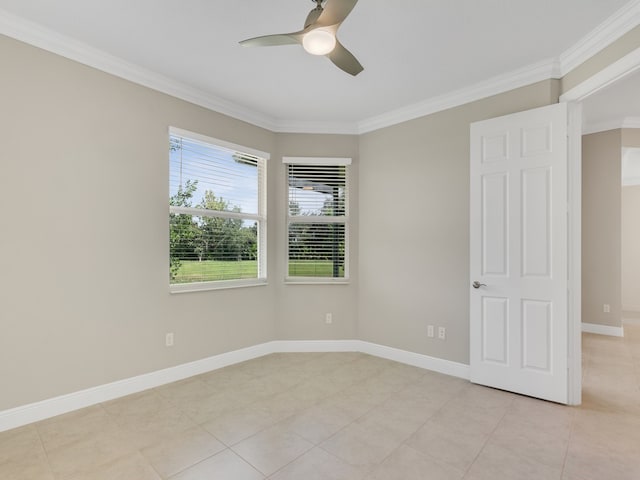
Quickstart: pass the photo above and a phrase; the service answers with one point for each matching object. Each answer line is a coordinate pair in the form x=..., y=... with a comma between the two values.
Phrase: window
x=317, y=219
x=217, y=213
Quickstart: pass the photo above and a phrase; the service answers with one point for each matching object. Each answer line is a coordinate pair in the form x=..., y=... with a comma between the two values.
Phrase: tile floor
x=345, y=416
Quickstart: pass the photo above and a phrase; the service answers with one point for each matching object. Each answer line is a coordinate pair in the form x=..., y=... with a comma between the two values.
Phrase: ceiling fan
x=318, y=37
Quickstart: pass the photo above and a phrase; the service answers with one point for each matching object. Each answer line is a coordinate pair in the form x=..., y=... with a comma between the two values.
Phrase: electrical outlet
x=606, y=308
x=442, y=333
x=168, y=339
x=430, y=333
x=328, y=318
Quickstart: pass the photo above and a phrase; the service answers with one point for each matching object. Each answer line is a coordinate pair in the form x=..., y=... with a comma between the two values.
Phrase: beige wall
x=601, y=224
x=631, y=137
x=84, y=281
x=414, y=225
x=301, y=309
x=610, y=232
x=631, y=248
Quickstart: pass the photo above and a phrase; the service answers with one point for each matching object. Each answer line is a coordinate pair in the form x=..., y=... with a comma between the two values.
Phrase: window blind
x=317, y=220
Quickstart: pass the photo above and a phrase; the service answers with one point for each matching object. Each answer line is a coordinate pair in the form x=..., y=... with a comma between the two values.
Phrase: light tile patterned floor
x=345, y=416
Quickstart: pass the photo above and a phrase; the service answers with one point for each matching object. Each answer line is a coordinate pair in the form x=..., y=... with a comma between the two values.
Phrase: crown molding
x=47, y=39
x=601, y=37
x=518, y=78
x=34, y=34
x=304, y=126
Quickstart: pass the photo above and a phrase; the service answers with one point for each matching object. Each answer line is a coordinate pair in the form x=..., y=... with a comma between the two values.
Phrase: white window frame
x=261, y=217
x=319, y=161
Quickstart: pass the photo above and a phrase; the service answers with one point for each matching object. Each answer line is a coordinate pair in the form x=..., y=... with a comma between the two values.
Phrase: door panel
x=495, y=215
x=495, y=330
x=536, y=222
x=536, y=335
x=518, y=252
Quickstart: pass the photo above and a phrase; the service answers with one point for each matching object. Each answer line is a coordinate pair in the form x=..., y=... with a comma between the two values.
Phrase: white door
x=519, y=318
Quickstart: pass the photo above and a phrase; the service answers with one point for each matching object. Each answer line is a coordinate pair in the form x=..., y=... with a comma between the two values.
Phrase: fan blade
x=272, y=40
x=335, y=11
x=344, y=59
x=313, y=16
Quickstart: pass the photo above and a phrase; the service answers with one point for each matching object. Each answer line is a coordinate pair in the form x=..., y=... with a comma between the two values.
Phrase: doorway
x=610, y=108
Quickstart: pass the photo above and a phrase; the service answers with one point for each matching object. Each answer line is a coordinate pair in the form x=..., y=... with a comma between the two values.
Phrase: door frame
x=605, y=77
x=574, y=253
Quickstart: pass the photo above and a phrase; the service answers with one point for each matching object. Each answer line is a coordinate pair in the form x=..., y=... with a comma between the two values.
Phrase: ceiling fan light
x=319, y=42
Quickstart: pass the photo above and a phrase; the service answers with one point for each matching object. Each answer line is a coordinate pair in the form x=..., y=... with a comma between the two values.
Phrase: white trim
x=519, y=78
x=306, y=346
x=420, y=360
x=216, y=285
x=600, y=37
x=317, y=160
x=608, y=75
x=51, y=407
x=574, y=254
x=303, y=126
x=426, y=362
x=603, y=329
x=316, y=281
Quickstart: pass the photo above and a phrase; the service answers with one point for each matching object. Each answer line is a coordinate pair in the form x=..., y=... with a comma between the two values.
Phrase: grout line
x=484, y=444
x=314, y=445
x=566, y=452
x=44, y=450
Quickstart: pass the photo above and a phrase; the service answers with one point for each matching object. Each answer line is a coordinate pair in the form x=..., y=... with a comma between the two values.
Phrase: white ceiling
x=413, y=51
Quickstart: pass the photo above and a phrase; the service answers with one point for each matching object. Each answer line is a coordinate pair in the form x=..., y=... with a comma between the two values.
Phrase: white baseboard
x=403, y=356
x=439, y=365
x=306, y=346
x=603, y=329
x=34, y=412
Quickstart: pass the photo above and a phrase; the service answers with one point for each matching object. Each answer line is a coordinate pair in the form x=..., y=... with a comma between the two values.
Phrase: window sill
x=219, y=285
x=315, y=281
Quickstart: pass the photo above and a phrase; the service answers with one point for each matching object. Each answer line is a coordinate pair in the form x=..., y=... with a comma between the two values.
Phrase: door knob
x=477, y=284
